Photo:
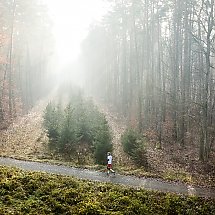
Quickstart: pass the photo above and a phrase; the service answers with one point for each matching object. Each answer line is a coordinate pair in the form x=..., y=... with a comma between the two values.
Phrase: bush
x=133, y=145
x=39, y=193
x=52, y=122
x=78, y=125
x=130, y=140
x=102, y=142
x=139, y=156
x=67, y=136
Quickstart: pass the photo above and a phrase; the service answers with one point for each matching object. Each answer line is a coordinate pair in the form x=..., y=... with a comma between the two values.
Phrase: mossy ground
x=24, y=192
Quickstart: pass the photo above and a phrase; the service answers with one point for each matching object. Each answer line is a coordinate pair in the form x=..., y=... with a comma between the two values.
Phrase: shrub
x=78, y=126
x=102, y=143
x=130, y=141
x=139, y=155
x=133, y=145
x=52, y=121
x=56, y=194
x=67, y=136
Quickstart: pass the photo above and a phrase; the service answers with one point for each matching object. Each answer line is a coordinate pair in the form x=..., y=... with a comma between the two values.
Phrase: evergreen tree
x=80, y=124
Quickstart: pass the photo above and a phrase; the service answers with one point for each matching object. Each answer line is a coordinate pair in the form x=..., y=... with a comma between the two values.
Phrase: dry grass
x=25, y=137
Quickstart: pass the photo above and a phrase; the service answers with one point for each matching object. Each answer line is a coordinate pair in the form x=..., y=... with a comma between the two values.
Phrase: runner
x=109, y=164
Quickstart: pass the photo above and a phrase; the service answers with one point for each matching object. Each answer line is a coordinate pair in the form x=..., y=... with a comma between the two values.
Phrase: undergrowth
x=77, y=130
x=134, y=145
x=24, y=192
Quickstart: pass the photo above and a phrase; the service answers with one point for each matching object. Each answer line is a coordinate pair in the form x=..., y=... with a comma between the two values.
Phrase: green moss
x=39, y=193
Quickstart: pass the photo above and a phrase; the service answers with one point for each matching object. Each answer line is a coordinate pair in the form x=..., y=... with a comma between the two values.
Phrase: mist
x=149, y=61
x=121, y=87
x=71, y=23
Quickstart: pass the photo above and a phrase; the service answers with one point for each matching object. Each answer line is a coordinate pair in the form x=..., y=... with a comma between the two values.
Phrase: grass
x=178, y=176
x=135, y=171
x=23, y=192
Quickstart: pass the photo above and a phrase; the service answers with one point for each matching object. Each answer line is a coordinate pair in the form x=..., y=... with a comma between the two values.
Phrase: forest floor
x=172, y=162
x=25, y=139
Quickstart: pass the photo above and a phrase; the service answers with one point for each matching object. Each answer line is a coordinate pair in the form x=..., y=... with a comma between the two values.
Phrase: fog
x=71, y=23
x=151, y=61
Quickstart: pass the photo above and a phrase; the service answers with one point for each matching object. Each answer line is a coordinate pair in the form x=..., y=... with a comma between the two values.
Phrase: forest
x=26, y=45
x=153, y=61
x=141, y=87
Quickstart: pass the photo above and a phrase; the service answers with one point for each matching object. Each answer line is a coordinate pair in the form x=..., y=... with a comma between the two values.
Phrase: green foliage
x=67, y=137
x=102, y=142
x=130, y=141
x=139, y=155
x=178, y=175
x=39, y=193
x=133, y=144
x=52, y=121
x=78, y=125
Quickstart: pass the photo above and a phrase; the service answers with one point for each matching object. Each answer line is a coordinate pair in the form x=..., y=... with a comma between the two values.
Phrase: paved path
x=146, y=183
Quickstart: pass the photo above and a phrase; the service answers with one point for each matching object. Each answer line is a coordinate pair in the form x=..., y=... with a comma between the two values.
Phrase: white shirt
x=109, y=158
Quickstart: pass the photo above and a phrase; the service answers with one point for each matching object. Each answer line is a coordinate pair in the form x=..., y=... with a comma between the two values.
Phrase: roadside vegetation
x=78, y=131
x=25, y=139
x=23, y=192
x=134, y=145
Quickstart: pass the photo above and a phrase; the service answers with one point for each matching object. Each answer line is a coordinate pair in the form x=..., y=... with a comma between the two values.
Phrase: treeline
x=78, y=131
x=154, y=61
x=25, y=47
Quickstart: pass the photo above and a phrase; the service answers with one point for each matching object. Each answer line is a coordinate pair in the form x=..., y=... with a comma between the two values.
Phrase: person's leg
x=108, y=170
x=112, y=171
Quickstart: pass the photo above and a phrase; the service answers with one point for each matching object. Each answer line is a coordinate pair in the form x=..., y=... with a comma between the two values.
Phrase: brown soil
x=182, y=163
x=25, y=137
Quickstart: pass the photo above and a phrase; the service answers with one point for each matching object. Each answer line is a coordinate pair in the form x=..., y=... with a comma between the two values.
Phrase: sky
x=72, y=19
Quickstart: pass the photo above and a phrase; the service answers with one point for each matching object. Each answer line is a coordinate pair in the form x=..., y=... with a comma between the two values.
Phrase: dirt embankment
x=25, y=137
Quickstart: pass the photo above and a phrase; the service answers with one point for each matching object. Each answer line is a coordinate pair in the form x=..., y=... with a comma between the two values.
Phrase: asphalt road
x=145, y=183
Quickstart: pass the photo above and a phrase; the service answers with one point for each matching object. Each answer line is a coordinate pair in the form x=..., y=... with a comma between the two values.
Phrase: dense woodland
x=154, y=62
x=25, y=49
x=148, y=98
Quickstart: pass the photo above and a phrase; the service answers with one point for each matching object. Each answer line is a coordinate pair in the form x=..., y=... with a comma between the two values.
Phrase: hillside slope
x=26, y=139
